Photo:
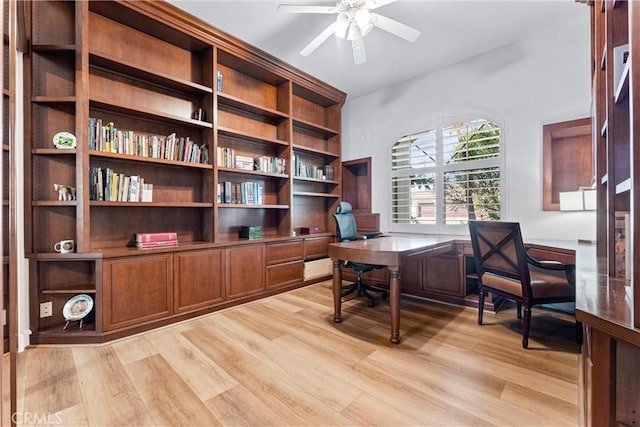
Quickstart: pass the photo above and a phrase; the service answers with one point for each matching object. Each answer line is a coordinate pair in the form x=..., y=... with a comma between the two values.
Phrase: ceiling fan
x=354, y=21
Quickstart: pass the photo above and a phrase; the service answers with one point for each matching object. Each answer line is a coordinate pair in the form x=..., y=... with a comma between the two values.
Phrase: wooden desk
x=391, y=251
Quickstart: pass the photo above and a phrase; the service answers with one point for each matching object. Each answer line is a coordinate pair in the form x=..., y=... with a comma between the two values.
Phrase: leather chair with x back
x=503, y=266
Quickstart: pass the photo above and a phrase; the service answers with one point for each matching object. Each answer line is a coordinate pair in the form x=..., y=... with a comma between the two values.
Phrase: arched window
x=449, y=175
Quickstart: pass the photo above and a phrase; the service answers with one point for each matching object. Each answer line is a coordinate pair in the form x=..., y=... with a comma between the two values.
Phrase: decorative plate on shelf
x=64, y=140
x=77, y=307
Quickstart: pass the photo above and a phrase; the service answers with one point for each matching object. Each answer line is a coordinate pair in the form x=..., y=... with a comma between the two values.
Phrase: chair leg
x=480, y=305
x=519, y=310
x=525, y=326
x=347, y=289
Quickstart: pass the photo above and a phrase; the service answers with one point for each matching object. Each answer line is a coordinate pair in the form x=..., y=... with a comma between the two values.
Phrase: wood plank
x=167, y=397
x=108, y=394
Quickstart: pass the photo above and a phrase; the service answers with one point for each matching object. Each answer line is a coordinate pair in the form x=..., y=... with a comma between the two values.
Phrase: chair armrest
x=350, y=239
x=547, y=265
x=569, y=269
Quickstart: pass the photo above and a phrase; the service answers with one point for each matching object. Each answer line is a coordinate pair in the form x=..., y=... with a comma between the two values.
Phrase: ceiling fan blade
x=374, y=4
x=313, y=45
x=394, y=27
x=299, y=8
x=359, y=52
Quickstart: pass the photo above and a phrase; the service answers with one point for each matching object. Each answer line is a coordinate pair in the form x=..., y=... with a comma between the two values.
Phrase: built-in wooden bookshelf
x=151, y=69
x=609, y=303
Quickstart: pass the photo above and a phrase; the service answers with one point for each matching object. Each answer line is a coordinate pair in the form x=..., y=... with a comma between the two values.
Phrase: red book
x=157, y=244
x=156, y=237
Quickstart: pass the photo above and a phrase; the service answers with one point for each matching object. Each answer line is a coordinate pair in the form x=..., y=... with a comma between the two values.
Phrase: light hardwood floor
x=282, y=361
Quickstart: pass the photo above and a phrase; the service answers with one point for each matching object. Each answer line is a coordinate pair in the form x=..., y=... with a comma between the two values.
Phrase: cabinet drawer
x=284, y=274
x=316, y=247
x=281, y=252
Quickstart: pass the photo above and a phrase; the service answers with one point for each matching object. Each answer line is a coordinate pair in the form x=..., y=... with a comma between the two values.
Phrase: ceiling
x=452, y=30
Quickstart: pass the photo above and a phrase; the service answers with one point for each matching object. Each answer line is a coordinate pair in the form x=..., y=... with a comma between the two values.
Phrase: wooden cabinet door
x=136, y=290
x=198, y=279
x=444, y=274
x=245, y=271
x=411, y=275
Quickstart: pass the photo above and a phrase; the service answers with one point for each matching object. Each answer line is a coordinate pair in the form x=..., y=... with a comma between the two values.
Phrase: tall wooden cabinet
x=608, y=303
x=155, y=96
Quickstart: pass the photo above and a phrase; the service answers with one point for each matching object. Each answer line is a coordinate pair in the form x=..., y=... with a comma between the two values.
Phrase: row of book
x=227, y=157
x=304, y=170
x=110, y=139
x=245, y=193
x=156, y=240
x=105, y=184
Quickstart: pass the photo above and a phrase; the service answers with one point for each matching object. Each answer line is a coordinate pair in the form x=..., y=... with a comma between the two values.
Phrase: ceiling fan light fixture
x=362, y=18
x=342, y=25
x=354, y=32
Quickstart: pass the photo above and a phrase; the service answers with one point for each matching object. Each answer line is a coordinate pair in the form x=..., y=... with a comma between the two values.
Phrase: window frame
x=439, y=169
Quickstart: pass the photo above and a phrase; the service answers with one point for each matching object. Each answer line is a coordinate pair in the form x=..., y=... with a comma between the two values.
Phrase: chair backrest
x=498, y=249
x=346, y=228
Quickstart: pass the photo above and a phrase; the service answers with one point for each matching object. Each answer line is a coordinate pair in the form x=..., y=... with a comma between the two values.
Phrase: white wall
x=542, y=79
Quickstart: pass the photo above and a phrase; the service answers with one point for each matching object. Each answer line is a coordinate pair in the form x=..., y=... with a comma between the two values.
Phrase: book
x=146, y=192
x=165, y=236
x=159, y=244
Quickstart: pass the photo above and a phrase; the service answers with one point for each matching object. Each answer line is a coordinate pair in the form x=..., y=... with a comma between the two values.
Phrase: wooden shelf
x=88, y=329
x=321, y=181
x=54, y=151
x=228, y=101
x=54, y=203
x=232, y=133
x=53, y=47
x=142, y=159
x=165, y=80
x=314, y=128
x=252, y=172
x=148, y=113
x=98, y=203
x=54, y=99
x=236, y=205
x=624, y=186
x=603, y=128
x=312, y=194
x=315, y=151
x=623, y=85
x=68, y=291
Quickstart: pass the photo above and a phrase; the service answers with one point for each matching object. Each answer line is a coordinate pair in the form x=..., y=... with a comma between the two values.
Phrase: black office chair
x=346, y=230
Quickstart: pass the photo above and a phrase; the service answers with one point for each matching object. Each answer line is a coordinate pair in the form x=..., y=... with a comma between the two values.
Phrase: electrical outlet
x=46, y=309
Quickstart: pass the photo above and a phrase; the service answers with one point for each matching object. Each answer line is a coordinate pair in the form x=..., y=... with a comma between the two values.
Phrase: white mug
x=64, y=246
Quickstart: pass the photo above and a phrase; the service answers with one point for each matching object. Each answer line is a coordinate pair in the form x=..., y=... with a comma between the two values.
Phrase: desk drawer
x=316, y=247
x=280, y=252
x=318, y=268
x=284, y=274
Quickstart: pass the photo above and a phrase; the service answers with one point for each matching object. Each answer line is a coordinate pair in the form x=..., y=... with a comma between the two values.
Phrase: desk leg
x=394, y=303
x=337, y=291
